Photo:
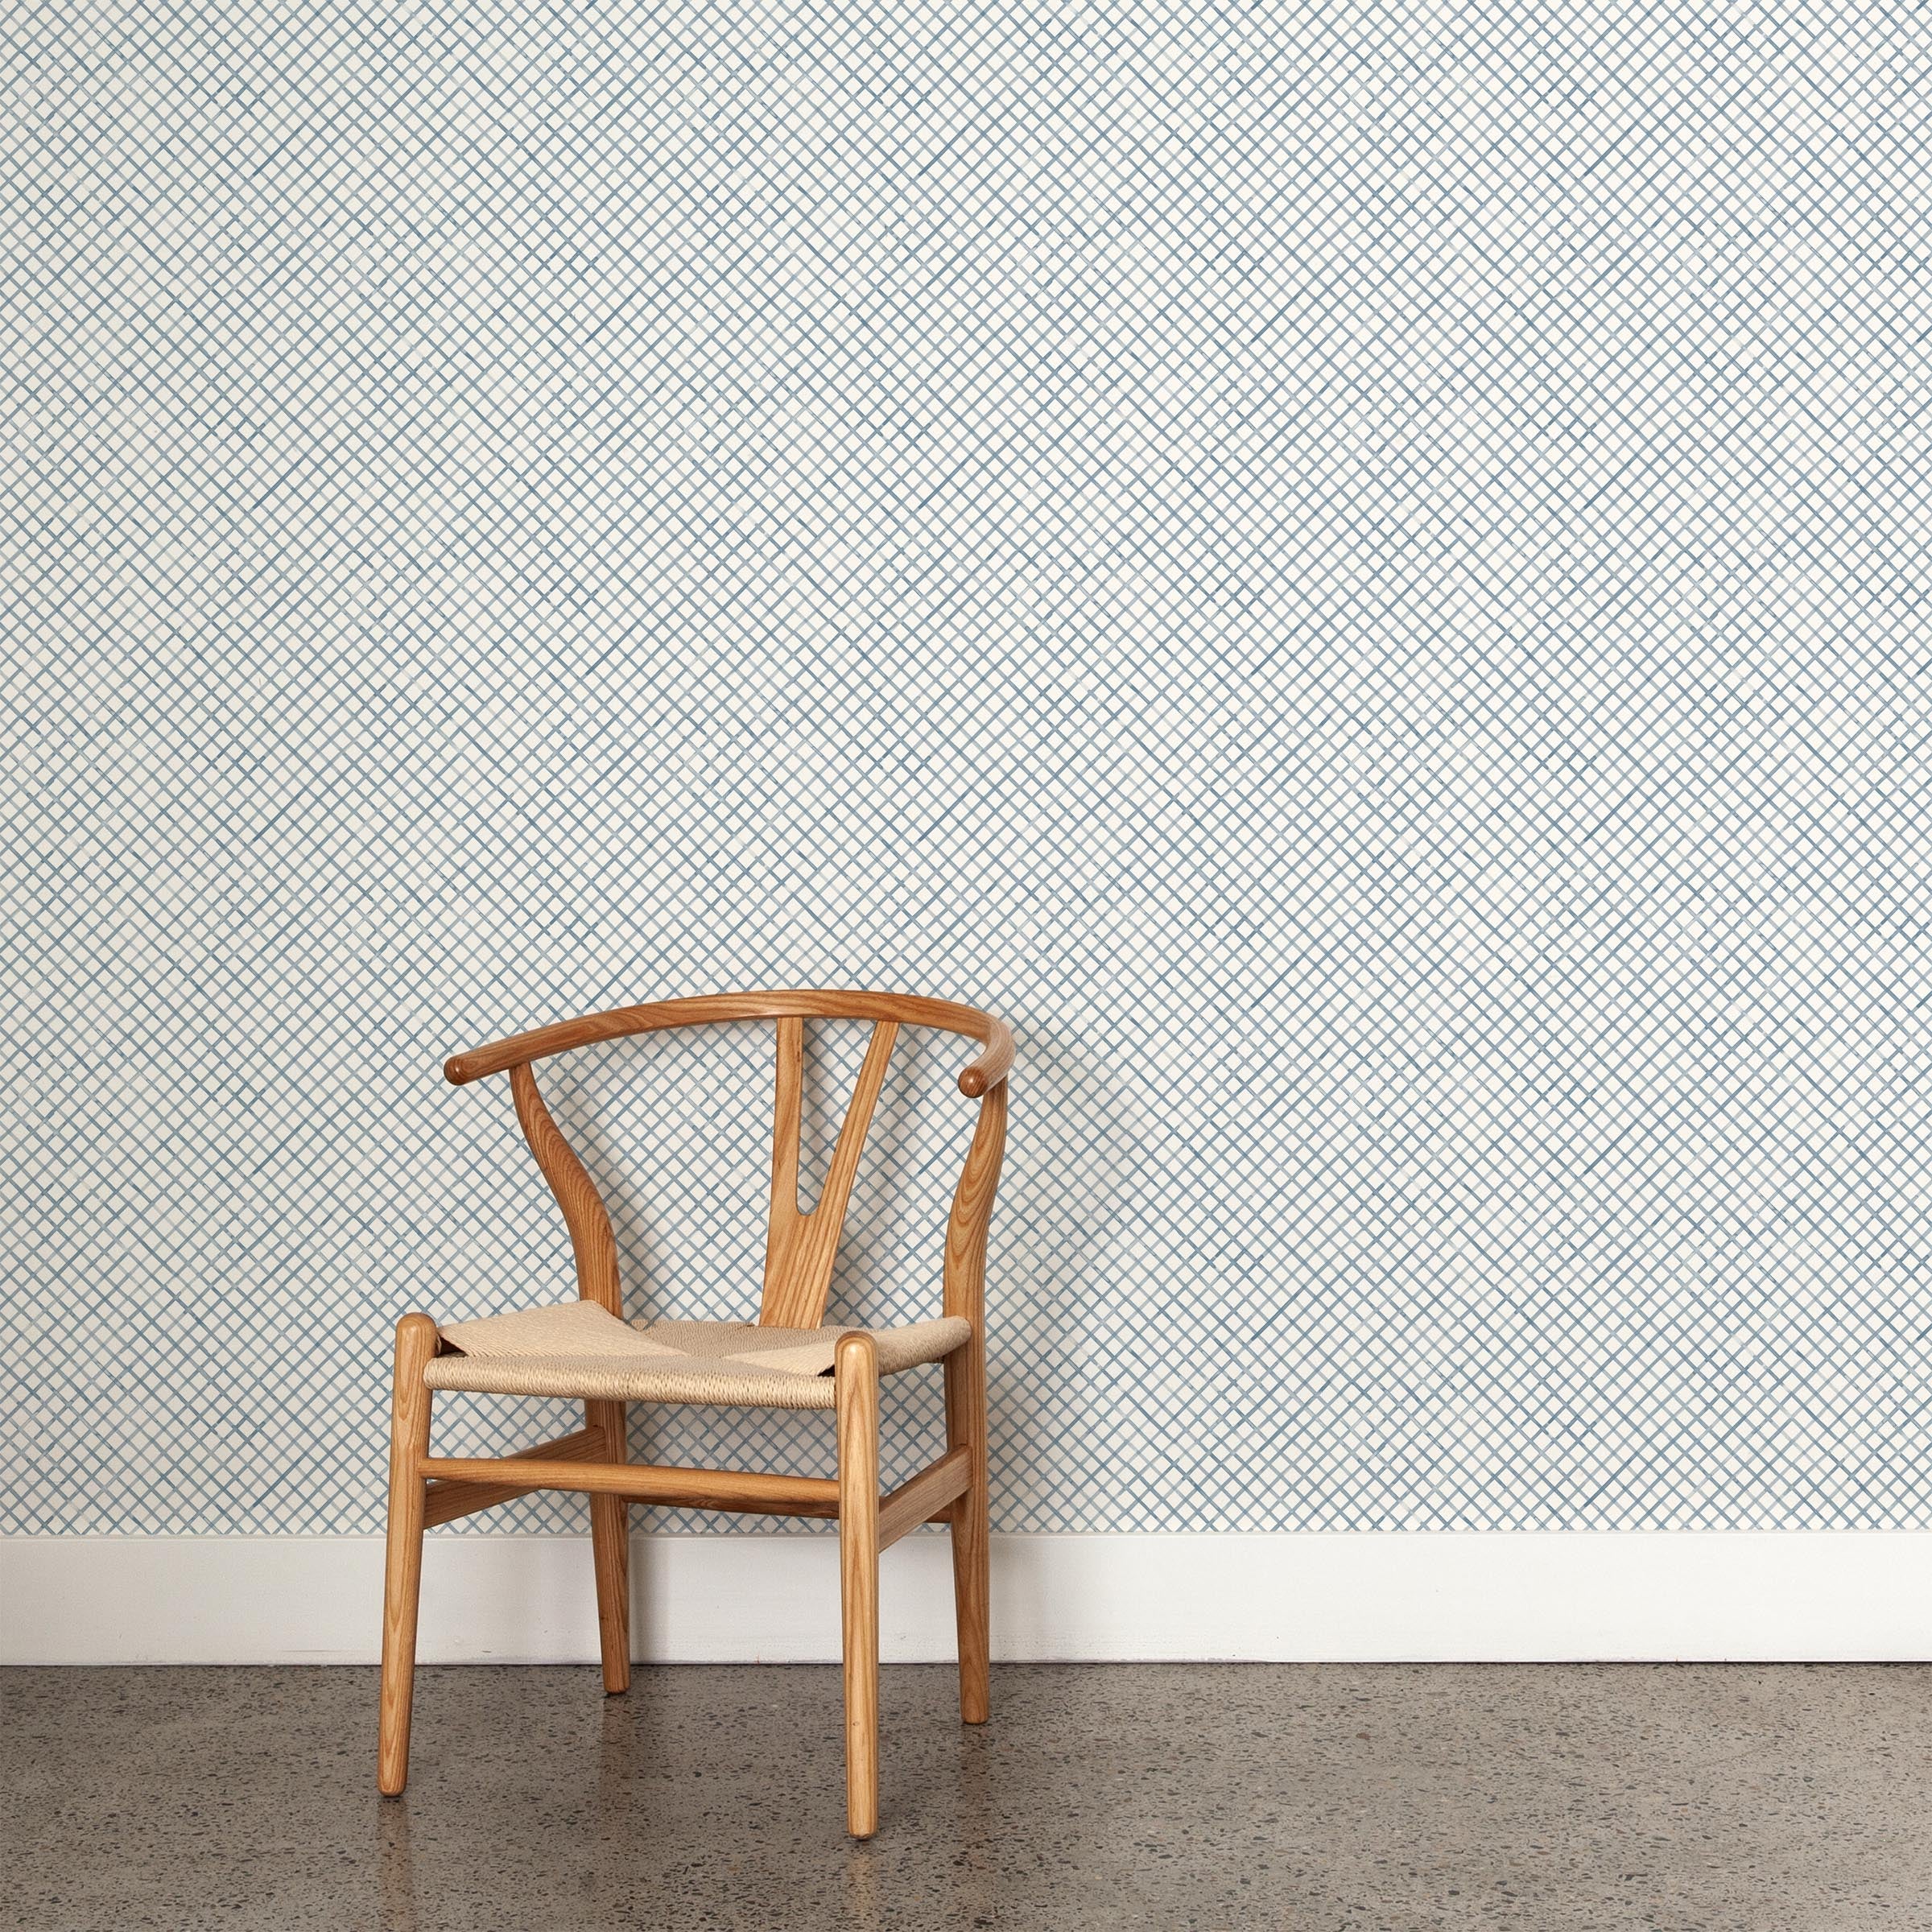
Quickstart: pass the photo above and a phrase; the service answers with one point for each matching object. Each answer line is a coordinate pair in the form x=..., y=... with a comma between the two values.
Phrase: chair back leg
x=966, y=1426
x=856, y=1379
x=610, y=1550
x=402, y=1571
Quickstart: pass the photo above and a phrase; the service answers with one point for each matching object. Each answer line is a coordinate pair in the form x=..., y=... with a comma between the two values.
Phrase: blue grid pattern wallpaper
x=1359, y=571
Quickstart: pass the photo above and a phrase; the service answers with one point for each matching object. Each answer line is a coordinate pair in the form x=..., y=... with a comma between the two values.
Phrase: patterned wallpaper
x=1360, y=572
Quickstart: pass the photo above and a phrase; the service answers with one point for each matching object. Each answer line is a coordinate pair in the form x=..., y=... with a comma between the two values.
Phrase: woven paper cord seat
x=577, y=1348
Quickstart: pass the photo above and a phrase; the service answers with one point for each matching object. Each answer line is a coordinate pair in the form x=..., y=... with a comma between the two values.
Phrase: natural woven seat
x=790, y=1358
x=580, y=1349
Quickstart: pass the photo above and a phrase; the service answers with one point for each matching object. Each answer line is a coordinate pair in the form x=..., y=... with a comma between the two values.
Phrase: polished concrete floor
x=1685, y=1799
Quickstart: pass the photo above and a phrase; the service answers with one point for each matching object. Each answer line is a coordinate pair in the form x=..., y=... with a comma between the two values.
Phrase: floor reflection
x=395, y=1869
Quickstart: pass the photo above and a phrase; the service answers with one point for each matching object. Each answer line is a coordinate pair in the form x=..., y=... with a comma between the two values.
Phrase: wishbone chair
x=586, y=1350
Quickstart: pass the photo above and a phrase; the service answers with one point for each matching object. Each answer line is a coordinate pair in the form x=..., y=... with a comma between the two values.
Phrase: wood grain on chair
x=801, y=1248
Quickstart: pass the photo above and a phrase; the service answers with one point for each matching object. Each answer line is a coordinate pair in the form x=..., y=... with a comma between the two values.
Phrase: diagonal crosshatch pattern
x=1360, y=573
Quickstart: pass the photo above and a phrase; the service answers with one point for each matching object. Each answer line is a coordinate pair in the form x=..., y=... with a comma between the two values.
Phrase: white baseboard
x=1844, y=1596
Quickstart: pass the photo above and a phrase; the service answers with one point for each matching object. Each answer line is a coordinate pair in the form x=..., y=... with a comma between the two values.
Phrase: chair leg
x=610, y=1549
x=972, y=1595
x=402, y=1574
x=856, y=1376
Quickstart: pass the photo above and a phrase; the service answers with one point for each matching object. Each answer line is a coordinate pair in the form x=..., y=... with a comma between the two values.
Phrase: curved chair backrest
x=799, y=1248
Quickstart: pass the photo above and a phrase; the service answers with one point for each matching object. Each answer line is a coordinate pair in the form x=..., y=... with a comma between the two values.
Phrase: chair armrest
x=992, y=1066
x=980, y=1077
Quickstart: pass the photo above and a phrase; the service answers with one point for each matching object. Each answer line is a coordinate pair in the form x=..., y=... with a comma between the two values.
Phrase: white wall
x=527, y=1599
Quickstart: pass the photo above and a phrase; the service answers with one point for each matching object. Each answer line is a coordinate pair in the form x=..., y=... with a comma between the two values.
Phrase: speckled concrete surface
x=1565, y=1798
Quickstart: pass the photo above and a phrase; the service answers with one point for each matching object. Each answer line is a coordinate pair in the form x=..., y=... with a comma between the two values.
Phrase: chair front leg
x=856, y=1390
x=610, y=1550
x=402, y=1574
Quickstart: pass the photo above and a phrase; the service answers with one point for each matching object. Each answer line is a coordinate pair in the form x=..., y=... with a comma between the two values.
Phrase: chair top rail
x=659, y=1016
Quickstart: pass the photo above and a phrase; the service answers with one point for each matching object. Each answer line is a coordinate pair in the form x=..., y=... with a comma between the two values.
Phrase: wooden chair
x=584, y=1350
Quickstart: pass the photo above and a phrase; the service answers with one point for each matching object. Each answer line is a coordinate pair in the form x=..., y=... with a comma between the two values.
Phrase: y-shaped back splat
x=799, y=1248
